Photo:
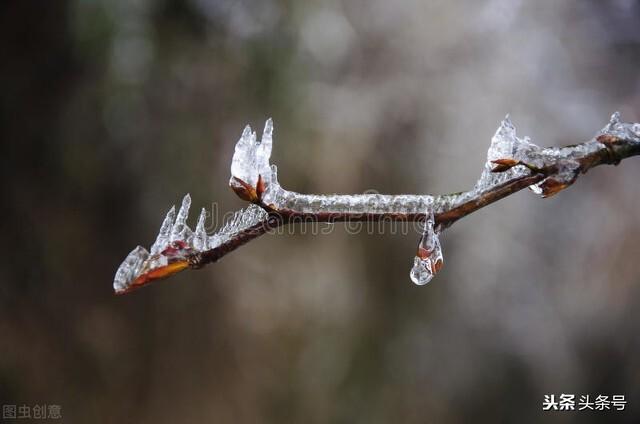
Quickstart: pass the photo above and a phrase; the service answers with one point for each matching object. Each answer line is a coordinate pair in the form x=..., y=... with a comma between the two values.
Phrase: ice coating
x=273, y=194
x=567, y=173
x=623, y=130
x=176, y=243
x=130, y=268
x=371, y=203
x=429, y=259
x=239, y=221
x=505, y=144
x=565, y=158
x=251, y=157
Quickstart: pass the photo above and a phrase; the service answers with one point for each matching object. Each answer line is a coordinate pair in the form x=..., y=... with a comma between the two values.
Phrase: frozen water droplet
x=200, y=236
x=129, y=269
x=429, y=260
x=180, y=230
x=421, y=272
x=536, y=189
x=162, y=240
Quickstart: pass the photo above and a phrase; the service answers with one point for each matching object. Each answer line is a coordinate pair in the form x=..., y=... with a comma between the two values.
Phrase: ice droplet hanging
x=429, y=259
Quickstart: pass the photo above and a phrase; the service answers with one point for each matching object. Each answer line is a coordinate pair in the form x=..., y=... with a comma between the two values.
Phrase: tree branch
x=546, y=171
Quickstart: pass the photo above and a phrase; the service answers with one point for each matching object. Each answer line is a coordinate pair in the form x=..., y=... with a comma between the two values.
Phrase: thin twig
x=611, y=147
x=618, y=151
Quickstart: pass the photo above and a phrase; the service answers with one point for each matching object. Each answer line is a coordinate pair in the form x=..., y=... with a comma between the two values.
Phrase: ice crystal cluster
x=251, y=156
x=177, y=242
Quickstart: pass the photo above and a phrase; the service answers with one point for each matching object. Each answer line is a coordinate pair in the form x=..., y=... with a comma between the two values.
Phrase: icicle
x=162, y=240
x=129, y=268
x=200, y=236
x=180, y=230
x=429, y=259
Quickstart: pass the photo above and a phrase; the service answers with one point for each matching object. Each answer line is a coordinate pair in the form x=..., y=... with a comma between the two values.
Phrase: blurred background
x=110, y=111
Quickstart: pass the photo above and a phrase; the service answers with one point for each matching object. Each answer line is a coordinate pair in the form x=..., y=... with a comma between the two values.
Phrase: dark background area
x=111, y=110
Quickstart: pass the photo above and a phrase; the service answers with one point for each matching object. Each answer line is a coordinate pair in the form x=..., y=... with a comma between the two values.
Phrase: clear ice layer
x=353, y=204
x=239, y=222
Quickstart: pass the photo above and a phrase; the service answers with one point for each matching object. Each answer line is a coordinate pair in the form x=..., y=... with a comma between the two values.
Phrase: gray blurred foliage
x=111, y=110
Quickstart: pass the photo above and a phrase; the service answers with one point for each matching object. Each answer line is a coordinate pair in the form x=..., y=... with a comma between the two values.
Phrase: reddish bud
x=551, y=187
x=503, y=164
x=607, y=139
x=243, y=190
x=260, y=187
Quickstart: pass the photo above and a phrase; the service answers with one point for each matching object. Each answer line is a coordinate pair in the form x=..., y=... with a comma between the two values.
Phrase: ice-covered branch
x=512, y=164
